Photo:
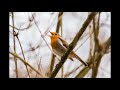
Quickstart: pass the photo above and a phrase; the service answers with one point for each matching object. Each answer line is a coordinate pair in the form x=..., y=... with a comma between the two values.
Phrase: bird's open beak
x=50, y=32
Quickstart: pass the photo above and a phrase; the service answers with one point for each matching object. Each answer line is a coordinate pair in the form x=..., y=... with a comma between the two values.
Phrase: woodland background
x=30, y=54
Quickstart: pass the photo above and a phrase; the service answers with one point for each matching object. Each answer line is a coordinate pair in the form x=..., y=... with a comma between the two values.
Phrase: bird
x=59, y=47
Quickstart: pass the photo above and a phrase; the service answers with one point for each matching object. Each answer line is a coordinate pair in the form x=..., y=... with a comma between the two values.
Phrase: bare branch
x=14, y=46
x=27, y=27
x=83, y=72
x=71, y=72
x=97, y=60
x=24, y=61
x=23, y=54
x=97, y=47
x=52, y=63
x=59, y=21
x=40, y=32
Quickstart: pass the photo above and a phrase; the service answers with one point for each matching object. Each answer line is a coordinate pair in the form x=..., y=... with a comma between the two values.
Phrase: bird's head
x=54, y=35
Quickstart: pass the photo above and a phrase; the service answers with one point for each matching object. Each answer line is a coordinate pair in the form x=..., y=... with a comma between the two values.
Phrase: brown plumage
x=60, y=46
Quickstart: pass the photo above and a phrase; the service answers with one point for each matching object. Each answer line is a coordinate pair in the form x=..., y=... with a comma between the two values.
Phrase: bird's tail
x=77, y=57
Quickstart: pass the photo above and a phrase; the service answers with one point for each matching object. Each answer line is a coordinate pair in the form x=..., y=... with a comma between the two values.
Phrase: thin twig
x=27, y=27
x=24, y=61
x=97, y=58
x=23, y=55
x=39, y=66
x=41, y=33
x=51, y=25
x=15, y=59
x=52, y=63
x=83, y=72
x=71, y=72
x=83, y=42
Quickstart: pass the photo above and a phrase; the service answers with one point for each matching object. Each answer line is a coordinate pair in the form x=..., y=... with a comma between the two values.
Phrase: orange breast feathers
x=54, y=41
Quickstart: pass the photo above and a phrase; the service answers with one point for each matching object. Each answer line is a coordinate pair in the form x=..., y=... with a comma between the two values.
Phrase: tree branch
x=97, y=60
x=23, y=54
x=16, y=70
x=96, y=47
x=24, y=61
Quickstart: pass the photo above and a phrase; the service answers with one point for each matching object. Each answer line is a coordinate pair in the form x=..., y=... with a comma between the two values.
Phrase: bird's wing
x=64, y=43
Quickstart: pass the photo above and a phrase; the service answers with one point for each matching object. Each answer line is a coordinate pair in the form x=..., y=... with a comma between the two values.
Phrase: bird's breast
x=53, y=44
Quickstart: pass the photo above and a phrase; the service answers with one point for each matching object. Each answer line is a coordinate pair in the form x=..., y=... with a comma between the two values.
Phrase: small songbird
x=59, y=47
